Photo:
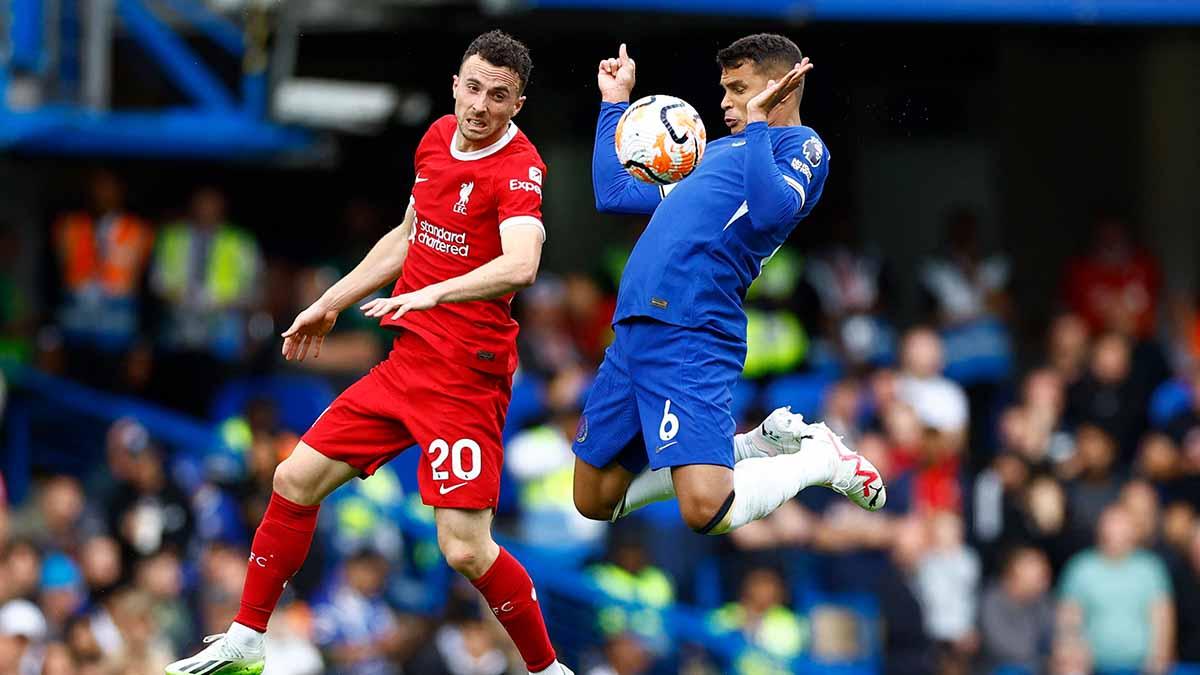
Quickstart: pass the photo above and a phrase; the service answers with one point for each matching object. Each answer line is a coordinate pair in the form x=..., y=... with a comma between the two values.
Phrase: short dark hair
x=501, y=49
x=762, y=49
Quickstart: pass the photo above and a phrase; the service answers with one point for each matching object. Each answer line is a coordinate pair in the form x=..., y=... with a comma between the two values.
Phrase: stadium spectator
x=1111, y=394
x=947, y=586
x=22, y=633
x=22, y=565
x=61, y=593
x=965, y=284
x=463, y=645
x=1115, y=286
x=629, y=576
x=1016, y=614
x=55, y=520
x=137, y=647
x=1117, y=597
x=101, y=563
x=102, y=254
x=909, y=649
x=541, y=461
x=149, y=512
x=1068, y=346
x=590, y=311
x=355, y=623
x=160, y=576
x=940, y=404
x=1093, y=484
x=206, y=274
x=762, y=616
x=291, y=644
x=848, y=285
x=624, y=654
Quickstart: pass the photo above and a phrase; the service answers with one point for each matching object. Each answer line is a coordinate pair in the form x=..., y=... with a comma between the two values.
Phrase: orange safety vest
x=117, y=265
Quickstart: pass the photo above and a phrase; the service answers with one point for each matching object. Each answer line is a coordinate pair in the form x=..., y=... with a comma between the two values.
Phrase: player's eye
x=499, y=97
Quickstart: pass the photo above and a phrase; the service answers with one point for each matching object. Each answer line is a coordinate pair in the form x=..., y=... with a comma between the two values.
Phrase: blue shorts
x=663, y=397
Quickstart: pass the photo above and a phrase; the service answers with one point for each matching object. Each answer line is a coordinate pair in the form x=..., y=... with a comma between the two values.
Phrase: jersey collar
x=490, y=150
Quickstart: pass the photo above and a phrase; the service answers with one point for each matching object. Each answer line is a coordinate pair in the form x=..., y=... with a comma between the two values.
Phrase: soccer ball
x=660, y=139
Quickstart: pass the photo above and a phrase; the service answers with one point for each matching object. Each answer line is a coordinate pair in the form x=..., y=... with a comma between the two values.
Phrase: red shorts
x=417, y=396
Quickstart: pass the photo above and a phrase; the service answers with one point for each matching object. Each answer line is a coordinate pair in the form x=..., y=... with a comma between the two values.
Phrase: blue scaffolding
x=43, y=39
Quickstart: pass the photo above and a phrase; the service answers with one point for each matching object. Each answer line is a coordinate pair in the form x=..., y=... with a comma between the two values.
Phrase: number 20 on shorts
x=443, y=450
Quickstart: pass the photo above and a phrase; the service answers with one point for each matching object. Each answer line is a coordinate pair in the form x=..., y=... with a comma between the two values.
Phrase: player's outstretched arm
x=616, y=191
x=381, y=265
x=514, y=269
x=775, y=196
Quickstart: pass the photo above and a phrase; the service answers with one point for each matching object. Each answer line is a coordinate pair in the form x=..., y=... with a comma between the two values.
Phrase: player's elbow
x=604, y=204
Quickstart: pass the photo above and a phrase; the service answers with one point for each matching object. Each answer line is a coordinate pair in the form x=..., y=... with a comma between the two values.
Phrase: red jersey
x=463, y=201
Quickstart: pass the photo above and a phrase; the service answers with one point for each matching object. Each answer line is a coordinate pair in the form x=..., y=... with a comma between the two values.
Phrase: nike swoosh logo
x=444, y=490
x=664, y=447
x=737, y=144
x=420, y=180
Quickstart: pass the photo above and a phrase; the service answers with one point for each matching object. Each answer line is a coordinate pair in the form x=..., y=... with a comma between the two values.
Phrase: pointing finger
x=624, y=53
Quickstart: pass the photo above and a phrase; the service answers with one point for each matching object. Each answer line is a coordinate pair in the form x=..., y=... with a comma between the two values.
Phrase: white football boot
x=850, y=474
x=221, y=657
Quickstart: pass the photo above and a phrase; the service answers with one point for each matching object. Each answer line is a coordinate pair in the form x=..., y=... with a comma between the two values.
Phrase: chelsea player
x=658, y=420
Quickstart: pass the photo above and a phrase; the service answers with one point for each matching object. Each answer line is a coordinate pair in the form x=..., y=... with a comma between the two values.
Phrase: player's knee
x=702, y=511
x=292, y=483
x=464, y=557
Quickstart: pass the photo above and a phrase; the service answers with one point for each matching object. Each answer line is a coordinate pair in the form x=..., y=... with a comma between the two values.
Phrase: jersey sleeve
x=519, y=193
x=781, y=177
x=617, y=191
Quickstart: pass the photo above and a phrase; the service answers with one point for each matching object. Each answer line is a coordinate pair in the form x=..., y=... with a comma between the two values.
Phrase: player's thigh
x=364, y=426
x=684, y=394
x=307, y=477
x=610, y=425
x=457, y=417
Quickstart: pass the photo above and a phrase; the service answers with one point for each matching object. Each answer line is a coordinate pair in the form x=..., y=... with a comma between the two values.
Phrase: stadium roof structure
x=54, y=84
x=1085, y=12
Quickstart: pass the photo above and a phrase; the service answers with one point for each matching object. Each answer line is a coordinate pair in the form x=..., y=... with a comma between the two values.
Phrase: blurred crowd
x=1042, y=494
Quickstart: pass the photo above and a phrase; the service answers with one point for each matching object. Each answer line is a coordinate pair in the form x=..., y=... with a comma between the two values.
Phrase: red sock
x=279, y=549
x=509, y=592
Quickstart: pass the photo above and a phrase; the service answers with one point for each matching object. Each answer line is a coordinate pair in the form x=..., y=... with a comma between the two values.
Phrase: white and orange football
x=660, y=139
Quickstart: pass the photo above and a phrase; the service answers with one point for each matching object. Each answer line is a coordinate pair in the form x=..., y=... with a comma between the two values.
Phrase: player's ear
x=520, y=104
x=454, y=84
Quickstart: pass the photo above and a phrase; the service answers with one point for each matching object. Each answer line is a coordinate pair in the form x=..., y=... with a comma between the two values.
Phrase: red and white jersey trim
x=472, y=155
x=523, y=221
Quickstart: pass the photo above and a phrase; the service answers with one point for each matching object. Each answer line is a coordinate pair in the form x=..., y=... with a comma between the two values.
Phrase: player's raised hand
x=776, y=92
x=616, y=77
x=424, y=298
x=308, y=330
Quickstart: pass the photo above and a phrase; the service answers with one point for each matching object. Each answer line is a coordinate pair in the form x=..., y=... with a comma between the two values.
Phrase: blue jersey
x=712, y=232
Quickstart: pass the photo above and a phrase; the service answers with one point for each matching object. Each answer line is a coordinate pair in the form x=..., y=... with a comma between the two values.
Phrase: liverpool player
x=472, y=236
